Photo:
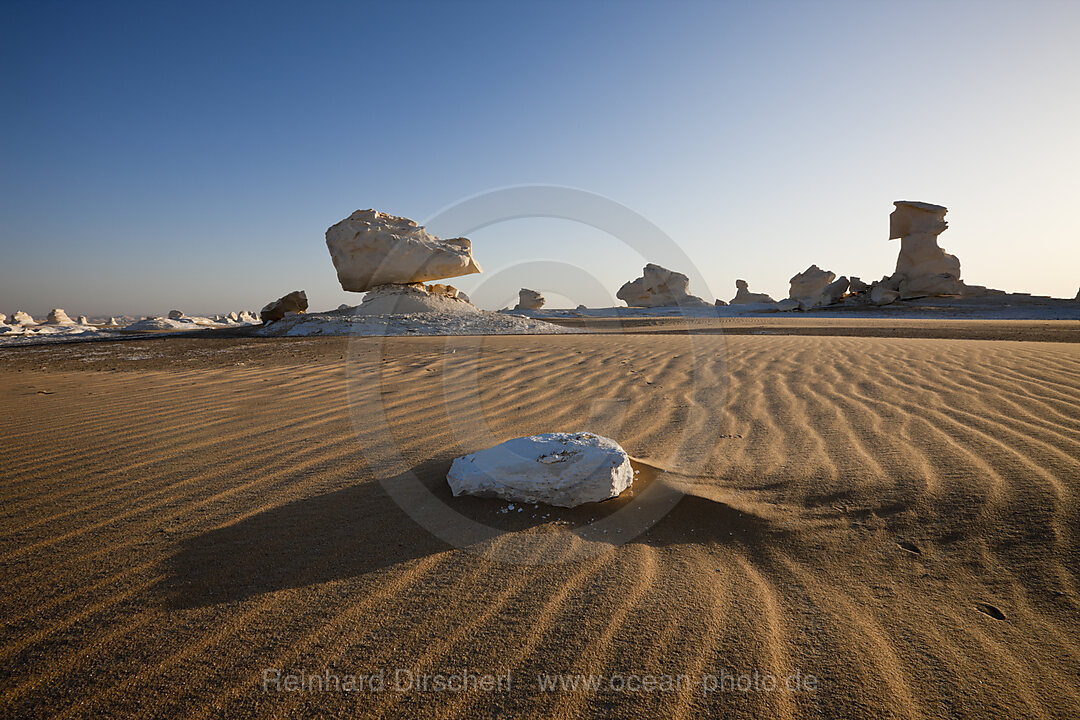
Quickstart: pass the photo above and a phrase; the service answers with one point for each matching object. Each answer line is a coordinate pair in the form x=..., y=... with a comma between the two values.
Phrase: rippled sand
x=895, y=516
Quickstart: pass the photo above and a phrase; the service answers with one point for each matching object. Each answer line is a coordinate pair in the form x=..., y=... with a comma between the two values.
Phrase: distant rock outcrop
x=57, y=316
x=22, y=318
x=743, y=296
x=83, y=320
x=529, y=300
x=922, y=267
x=294, y=302
x=370, y=248
x=176, y=314
x=815, y=287
x=659, y=287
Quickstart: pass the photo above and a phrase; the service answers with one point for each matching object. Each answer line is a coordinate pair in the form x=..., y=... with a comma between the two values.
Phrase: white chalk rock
x=787, y=305
x=743, y=296
x=176, y=314
x=659, y=287
x=112, y=322
x=83, y=320
x=57, y=316
x=3, y=319
x=807, y=286
x=414, y=298
x=22, y=318
x=561, y=469
x=881, y=294
x=370, y=248
x=922, y=267
x=529, y=300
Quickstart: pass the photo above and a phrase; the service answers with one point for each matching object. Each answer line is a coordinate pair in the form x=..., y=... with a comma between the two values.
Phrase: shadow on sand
x=361, y=529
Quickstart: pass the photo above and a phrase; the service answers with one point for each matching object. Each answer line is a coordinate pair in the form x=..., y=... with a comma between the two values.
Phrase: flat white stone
x=561, y=469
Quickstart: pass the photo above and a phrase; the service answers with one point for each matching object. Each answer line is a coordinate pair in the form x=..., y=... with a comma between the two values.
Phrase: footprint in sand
x=909, y=547
x=988, y=609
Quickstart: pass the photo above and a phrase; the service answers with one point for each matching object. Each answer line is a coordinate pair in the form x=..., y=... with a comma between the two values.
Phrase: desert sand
x=888, y=507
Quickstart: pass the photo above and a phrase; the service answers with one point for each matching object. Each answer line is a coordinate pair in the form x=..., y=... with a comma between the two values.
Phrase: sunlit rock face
x=659, y=287
x=370, y=248
x=743, y=296
x=57, y=316
x=922, y=267
x=529, y=300
x=294, y=302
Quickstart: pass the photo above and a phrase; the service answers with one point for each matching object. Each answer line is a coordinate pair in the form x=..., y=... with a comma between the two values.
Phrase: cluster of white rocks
x=923, y=269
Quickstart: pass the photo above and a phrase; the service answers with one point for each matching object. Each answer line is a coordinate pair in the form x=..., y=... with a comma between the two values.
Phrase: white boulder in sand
x=294, y=302
x=57, y=316
x=529, y=300
x=561, y=469
x=922, y=267
x=857, y=286
x=659, y=287
x=743, y=296
x=370, y=248
x=412, y=298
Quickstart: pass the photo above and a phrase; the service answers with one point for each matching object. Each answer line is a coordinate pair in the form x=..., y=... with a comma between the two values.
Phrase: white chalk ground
x=424, y=323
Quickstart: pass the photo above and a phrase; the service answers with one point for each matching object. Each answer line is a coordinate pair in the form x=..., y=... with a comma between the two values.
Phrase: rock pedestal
x=529, y=300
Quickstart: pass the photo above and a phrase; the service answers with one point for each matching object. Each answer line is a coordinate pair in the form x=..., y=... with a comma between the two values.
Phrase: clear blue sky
x=158, y=155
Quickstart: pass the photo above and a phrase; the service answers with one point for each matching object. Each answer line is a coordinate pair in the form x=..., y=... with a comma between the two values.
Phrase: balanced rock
x=57, y=316
x=294, y=302
x=370, y=248
x=659, y=287
x=743, y=296
x=22, y=318
x=561, y=469
x=922, y=267
x=529, y=300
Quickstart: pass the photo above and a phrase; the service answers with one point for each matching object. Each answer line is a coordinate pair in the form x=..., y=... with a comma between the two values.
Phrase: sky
x=159, y=155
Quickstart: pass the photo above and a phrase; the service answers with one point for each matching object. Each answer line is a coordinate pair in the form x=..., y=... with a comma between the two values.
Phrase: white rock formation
x=743, y=296
x=659, y=287
x=413, y=298
x=57, y=316
x=561, y=469
x=176, y=314
x=294, y=302
x=3, y=319
x=83, y=320
x=371, y=248
x=720, y=303
x=22, y=318
x=249, y=317
x=529, y=300
x=922, y=267
x=112, y=322
x=807, y=287
x=234, y=316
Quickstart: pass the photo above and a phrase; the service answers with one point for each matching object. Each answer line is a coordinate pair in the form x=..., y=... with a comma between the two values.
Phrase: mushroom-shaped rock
x=743, y=296
x=562, y=469
x=529, y=300
x=922, y=267
x=370, y=248
x=57, y=316
x=294, y=302
x=659, y=287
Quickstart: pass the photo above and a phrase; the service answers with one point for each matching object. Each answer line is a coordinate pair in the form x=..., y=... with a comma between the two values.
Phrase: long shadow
x=342, y=534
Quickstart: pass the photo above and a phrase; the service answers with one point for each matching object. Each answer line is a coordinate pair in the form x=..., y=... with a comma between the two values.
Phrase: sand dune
x=896, y=517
